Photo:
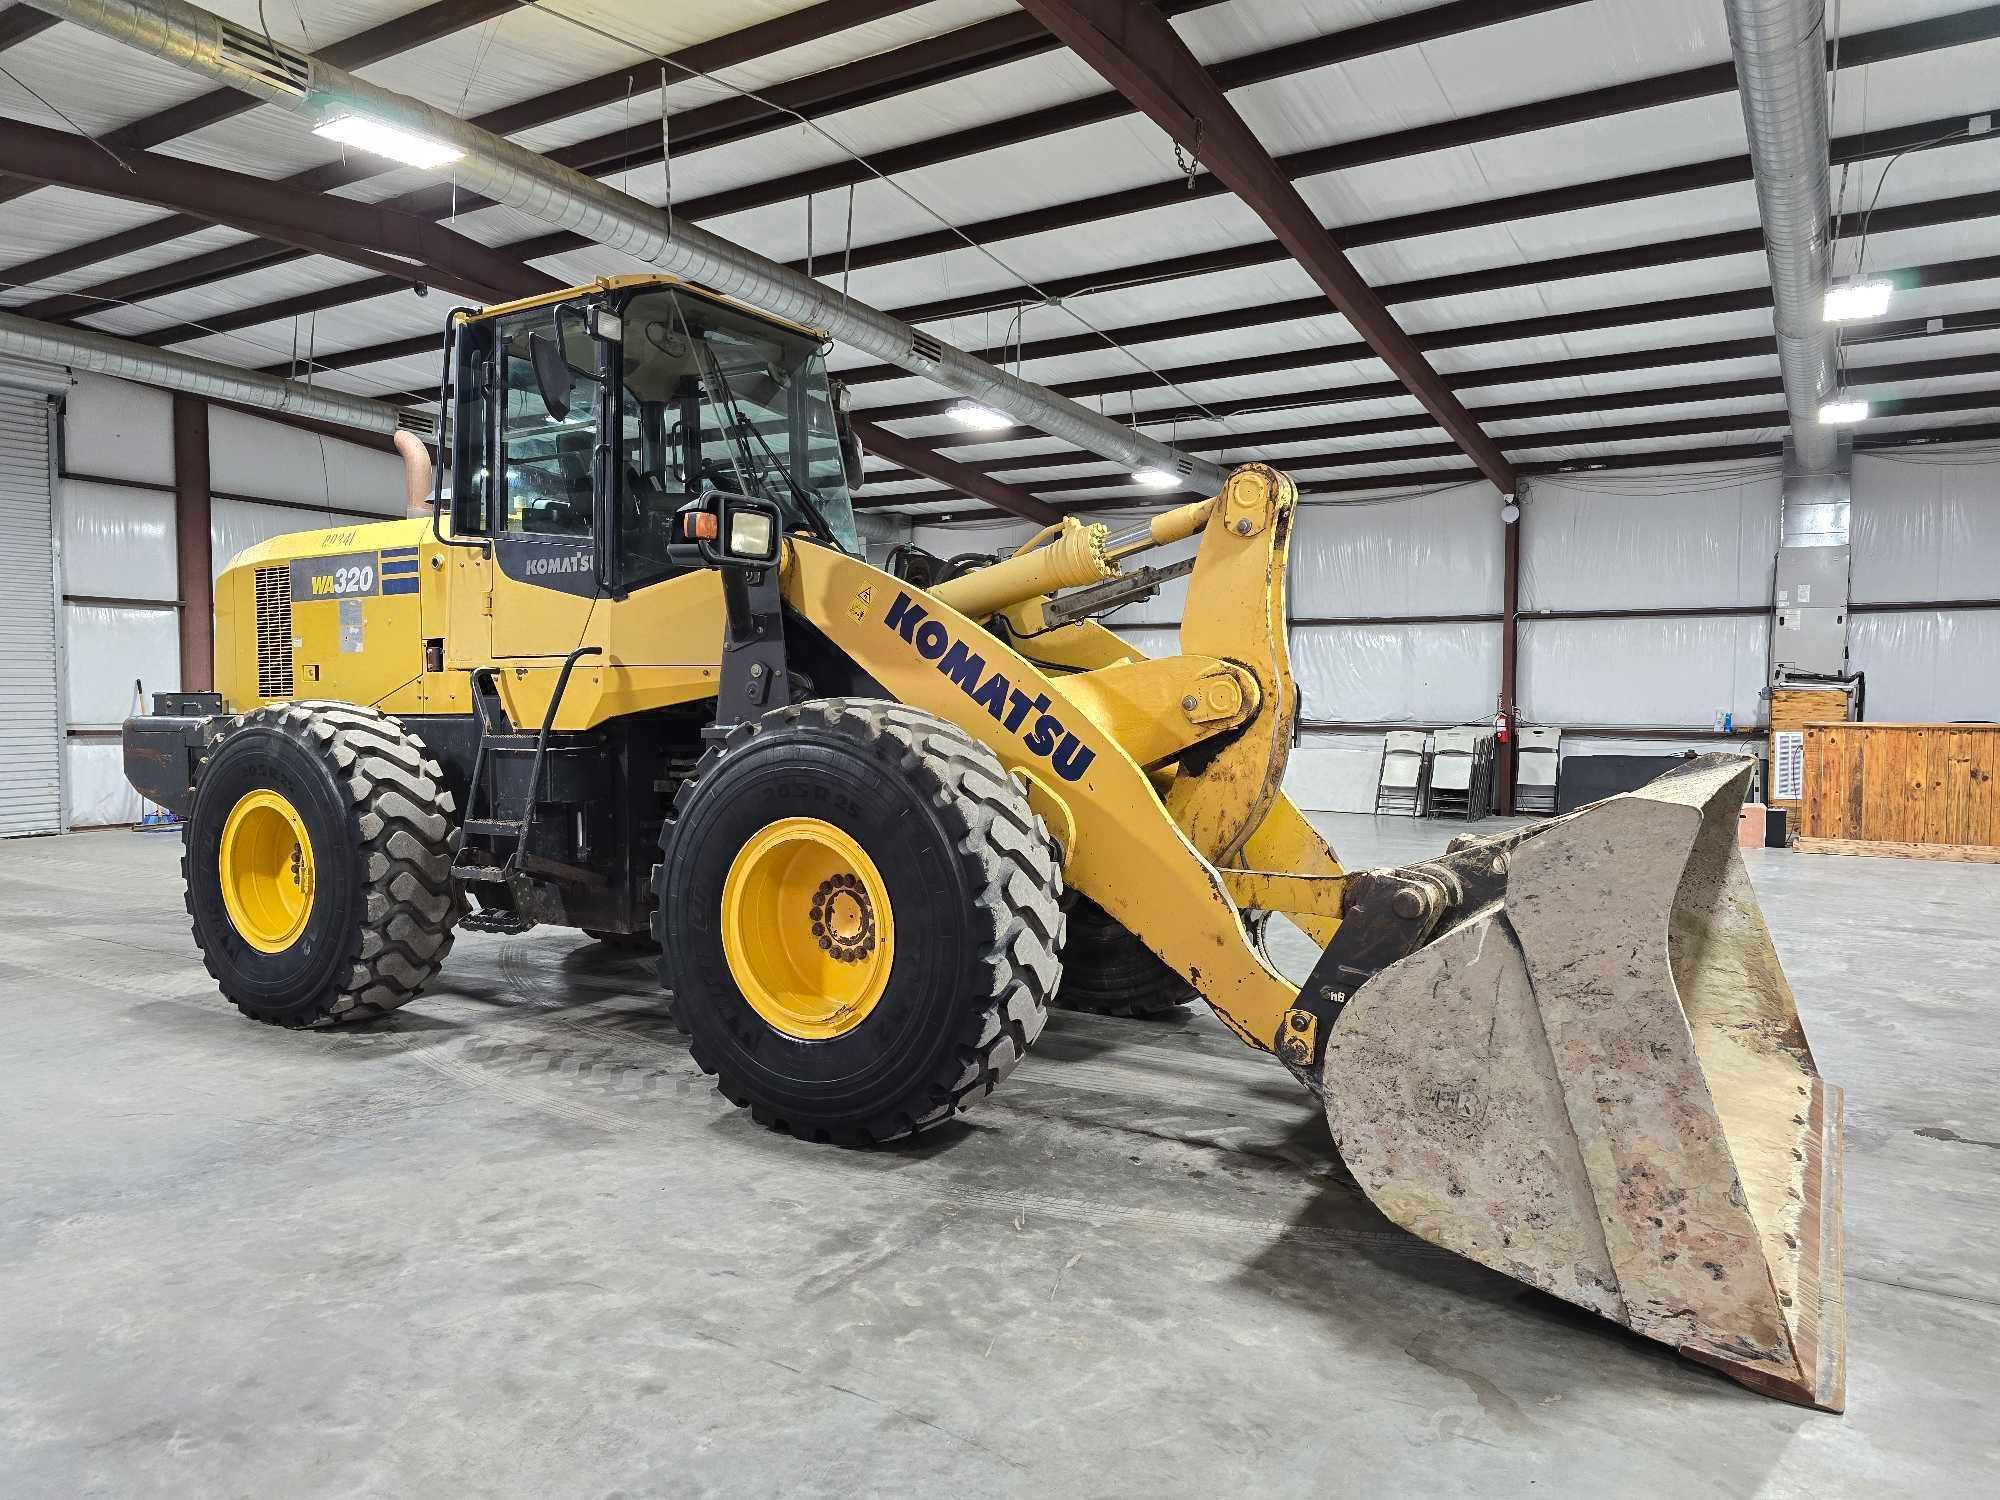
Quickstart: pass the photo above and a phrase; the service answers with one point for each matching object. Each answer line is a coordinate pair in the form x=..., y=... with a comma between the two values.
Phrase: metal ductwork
x=101, y=354
x=1780, y=49
x=204, y=43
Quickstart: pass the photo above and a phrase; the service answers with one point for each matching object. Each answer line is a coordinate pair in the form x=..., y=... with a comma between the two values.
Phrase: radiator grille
x=274, y=632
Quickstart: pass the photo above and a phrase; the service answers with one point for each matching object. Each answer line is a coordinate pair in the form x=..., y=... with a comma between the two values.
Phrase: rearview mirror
x=850, y=453
x=552, y=374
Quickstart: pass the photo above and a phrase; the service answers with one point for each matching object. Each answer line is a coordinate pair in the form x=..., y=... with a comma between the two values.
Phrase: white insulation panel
x=236, y=524
x=1335, y=772
x=249, y=456
x=116, y=430
x=1431, y=555
x=110, y=648
x=98, y=792
x=117, y=541
x=1640, y=545
x=1928, y=666
x=1923, y=528
x=1670, y=674
x=1397, y=673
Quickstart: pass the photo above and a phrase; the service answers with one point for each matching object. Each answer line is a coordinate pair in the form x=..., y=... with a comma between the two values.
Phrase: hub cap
x=266, y=868
x=806, y=928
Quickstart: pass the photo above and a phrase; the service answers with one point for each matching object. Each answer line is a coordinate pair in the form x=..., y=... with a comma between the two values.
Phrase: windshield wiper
x=815, y=517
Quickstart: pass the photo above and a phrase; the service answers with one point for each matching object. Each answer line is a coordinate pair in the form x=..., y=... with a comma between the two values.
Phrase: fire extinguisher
x=1500, y=727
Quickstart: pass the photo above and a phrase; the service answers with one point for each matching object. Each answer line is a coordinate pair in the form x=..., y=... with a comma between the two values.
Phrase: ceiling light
x=1842, y=412
x=978, y=418
x=1854, y=300
x=392, y=141
x=1156, y=478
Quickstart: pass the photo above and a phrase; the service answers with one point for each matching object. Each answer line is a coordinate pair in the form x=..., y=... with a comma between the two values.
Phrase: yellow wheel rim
x=807, y=929
x=266, y=868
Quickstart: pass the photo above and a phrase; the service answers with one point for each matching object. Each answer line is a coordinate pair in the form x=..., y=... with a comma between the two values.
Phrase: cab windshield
x=714, y=399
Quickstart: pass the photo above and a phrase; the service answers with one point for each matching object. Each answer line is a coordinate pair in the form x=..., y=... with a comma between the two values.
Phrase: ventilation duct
x=192, y=38
x=1780, y=48
x=101, y=354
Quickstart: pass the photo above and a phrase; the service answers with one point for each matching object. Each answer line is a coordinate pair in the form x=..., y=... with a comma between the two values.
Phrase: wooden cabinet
x=1927, y=790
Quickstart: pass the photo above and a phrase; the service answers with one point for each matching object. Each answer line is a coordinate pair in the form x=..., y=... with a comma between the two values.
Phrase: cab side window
x=545, y=455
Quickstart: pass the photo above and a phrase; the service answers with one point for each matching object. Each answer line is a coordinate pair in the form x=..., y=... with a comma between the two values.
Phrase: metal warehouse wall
x=1661, y=584
x=1925, y=526
x=115, y=516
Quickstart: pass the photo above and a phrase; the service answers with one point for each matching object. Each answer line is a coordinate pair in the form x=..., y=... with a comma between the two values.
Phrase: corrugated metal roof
x=1422, y=159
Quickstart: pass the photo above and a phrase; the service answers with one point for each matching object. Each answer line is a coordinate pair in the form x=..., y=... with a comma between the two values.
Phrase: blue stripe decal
x=399, y=585
x=400, y=569
x=388, y=552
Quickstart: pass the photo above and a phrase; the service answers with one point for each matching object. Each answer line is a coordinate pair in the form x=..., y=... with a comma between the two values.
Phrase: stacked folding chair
x=1535, y=770
x=1406, y=773
x=1462, y=773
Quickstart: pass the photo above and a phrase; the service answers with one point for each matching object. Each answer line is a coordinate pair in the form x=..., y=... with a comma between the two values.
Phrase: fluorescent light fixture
x=1843, y=411
x=978, y=418
x=1156, y=479
x=1854, y=300
x=382, y=139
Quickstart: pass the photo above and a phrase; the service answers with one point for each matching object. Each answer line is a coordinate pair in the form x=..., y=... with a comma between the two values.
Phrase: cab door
x=545, y=532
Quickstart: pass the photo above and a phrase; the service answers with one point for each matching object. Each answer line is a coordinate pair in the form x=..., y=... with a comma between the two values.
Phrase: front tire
x=317, y=859
x=860, y=919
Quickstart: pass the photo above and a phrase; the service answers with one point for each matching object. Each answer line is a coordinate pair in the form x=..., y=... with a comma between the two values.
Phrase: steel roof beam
x=410, y=251
x=1617, y=315
x=1606, y=192
x=914, y=455
x=937, y=59
x=1138, y=51
x=1519, y=411
x=776, y=34
x=916, y=65
x=1420, y=479
x=1603, y=193
x=1561, y=268
x=19, y=22
x=402, y=34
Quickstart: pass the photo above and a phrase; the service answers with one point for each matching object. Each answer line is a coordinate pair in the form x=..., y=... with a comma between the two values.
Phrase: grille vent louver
x=424, y=424
x=924, y=347
x=269, y=63
x=274, y=632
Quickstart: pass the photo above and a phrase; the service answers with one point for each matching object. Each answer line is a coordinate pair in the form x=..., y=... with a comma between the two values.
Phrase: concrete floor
x=513, y=1244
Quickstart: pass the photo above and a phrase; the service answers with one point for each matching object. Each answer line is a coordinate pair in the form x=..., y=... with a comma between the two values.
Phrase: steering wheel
x=717, y=474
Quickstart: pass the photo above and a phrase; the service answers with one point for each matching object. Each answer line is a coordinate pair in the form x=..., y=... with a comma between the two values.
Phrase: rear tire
x=971, y=922
x=1109, y=972
x=376, y=832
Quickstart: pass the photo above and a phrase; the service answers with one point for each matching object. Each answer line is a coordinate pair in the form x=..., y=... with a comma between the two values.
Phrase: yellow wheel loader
x=629, y=672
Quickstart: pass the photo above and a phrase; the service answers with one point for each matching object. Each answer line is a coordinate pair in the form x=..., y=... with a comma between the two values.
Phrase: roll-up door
x=30, y=711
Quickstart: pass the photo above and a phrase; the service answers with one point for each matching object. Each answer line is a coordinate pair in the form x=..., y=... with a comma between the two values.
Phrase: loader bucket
x=1598, y=1085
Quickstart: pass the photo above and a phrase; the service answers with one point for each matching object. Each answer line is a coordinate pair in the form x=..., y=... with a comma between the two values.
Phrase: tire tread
x=1015, y=864
x=402, y=812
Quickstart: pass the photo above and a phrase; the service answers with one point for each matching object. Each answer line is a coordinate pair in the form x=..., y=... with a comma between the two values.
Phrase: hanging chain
x=1189, y=161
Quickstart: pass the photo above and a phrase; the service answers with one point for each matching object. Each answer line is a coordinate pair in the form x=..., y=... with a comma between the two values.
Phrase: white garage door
x=30, y=714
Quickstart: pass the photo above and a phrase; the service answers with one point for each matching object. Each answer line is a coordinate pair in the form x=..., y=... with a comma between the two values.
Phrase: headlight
x=752, y=536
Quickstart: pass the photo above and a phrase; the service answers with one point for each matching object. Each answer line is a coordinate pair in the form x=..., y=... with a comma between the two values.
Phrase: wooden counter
x=1929, y=791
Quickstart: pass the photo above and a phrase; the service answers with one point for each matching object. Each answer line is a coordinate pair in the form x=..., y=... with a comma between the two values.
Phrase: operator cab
x=591, y=422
